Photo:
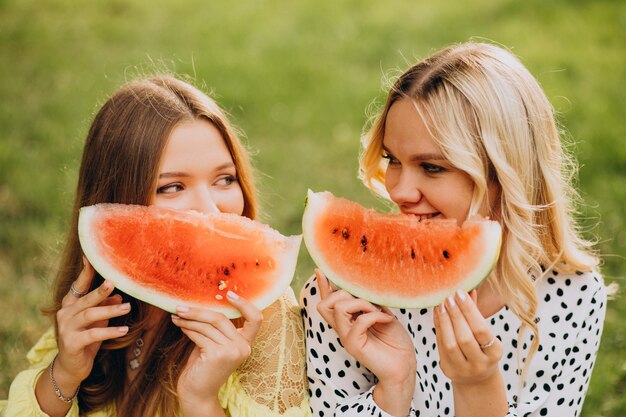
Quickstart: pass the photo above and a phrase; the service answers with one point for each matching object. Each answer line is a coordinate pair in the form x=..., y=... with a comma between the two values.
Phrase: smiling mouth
x=421, y=217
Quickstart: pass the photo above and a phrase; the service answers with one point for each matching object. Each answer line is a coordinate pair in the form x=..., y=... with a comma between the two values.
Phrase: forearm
x=486, y=398
x=46, y=396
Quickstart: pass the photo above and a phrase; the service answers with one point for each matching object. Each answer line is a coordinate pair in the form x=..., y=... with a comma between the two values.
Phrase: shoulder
x=579, y=284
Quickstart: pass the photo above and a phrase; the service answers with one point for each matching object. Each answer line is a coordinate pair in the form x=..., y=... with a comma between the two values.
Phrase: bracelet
x=57, y=391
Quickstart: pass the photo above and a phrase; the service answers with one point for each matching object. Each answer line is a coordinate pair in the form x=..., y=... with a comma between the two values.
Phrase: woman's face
x=196, y=171
x=419, y=179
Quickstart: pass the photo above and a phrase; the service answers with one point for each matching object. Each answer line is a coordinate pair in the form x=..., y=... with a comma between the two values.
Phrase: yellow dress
x=270, y=383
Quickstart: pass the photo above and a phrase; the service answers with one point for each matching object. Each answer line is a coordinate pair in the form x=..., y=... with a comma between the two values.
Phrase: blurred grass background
x=298, y=78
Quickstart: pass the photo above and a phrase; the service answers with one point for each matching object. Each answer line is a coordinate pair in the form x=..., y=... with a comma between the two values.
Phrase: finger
x=252, y=315
x=100, y=314
x=325, y=286
x=346, y=311
x=357, y=334
x=480, y=330
x=201, y=318
x=96, y=335
x=326, y=306
x=446, y=339
x=82, y=283
x=474, y=295
x=204, y=332
x=462, y=331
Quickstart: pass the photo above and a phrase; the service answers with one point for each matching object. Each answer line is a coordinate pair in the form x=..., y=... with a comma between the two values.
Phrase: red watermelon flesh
x=397, y=260
x=169, y=258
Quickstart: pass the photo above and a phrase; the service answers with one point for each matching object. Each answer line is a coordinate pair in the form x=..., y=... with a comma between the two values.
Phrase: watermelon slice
x=394, y=259
x=170, y=258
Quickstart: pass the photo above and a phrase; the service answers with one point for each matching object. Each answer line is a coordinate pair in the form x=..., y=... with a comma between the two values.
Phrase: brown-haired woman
x=160, y=141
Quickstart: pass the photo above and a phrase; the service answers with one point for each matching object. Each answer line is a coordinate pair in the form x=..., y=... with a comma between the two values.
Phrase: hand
x=461, y=330
x=220, y=349
x=375, y=338
x=82, y=324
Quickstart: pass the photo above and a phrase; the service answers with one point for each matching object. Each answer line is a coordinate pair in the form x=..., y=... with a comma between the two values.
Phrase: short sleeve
x=22, y=401
x=272, y=381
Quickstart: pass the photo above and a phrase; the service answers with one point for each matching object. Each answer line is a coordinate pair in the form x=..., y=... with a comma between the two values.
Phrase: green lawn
x=298, y=78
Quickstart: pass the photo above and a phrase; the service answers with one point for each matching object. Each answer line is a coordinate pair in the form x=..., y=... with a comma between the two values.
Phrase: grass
x=297, y=77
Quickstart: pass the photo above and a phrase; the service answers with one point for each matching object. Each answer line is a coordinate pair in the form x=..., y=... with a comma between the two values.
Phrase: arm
x=220, y=349
x=338, y=382
x=557, y=385
x=273, y=378
x=469, y=356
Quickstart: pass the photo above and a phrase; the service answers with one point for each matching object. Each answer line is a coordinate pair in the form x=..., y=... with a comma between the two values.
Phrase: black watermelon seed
x=232, y=265
x=345, y=233
x=226, y=271
x=412, y=253
x=446, y=254
x=335, y=230
x=363, y=240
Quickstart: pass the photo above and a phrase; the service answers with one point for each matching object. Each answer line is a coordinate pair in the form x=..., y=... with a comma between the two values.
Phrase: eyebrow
x=422, y=156
x=177, y=174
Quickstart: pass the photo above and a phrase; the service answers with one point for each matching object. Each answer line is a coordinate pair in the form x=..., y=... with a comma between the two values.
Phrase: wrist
x=207, y=406
x=481, y=398
x=64, y=386
x=395, y=396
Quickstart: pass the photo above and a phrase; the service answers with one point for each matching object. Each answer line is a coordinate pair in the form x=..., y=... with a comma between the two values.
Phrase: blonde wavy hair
x=492, y=120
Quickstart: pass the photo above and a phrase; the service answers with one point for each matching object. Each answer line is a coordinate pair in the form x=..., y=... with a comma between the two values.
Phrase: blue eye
x=227, y=180
x=432, y=168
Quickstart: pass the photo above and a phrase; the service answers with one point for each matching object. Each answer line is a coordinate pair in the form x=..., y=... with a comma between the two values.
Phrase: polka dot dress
x=570, y=318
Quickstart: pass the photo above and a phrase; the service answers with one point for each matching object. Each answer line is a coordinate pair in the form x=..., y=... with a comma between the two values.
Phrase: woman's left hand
x=220, y=349
x=468, y=350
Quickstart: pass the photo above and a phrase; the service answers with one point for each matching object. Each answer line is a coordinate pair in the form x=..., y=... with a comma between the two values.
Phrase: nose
x=204, y=201
x=403, y=188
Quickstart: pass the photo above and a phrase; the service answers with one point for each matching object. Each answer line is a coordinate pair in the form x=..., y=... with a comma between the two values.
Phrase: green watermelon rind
x=492, y=234
x=288, y=249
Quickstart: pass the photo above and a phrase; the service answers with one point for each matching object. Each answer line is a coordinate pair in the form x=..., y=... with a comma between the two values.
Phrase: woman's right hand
x=82, y=324
x=374, y=337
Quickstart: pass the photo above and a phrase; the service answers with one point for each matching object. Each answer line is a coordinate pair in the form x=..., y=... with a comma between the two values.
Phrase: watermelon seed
x=221, y=285
x=412, y=253
x=226, y=271
x=446, y=254
x=219, y=297
x=232, y=265
x=345, y=233
x=256, y=261
x=335, y=230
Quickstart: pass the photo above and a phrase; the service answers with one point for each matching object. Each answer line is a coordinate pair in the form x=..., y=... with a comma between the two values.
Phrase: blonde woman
x=160, y=141
x=468, y=131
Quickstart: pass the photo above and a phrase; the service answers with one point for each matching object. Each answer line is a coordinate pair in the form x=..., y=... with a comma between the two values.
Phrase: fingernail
x=462, y=296
x=84, y=261
x=123, y=329
x=175, y=317
x=232, y=295
x=442, y=308
x=451, y=301
x=182, y=309
x=125, y=306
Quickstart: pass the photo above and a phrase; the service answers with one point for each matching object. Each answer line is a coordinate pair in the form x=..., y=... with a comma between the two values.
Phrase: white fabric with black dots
x=570, y=318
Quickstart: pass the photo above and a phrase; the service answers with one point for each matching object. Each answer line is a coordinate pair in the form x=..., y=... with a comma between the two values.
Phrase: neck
x=489, y=300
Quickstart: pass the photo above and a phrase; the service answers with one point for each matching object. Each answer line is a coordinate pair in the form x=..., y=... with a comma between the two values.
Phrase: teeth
x=426, y=216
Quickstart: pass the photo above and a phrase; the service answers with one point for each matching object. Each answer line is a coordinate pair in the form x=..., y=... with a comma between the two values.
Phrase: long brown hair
x=120, y=165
